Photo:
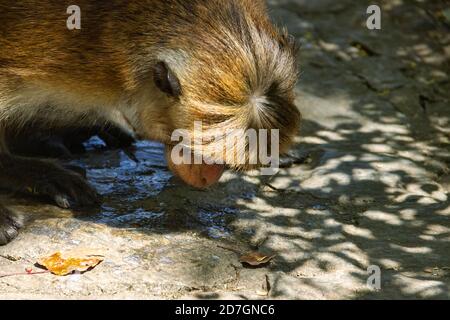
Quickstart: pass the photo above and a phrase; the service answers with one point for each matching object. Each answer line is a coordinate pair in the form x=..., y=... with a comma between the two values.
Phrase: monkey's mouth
x=197, y=175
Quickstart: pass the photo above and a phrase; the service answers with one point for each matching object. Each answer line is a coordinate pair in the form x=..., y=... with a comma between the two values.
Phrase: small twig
x=274, y=188
x=230, y=249
x=23, y=274
x=268, y=285
x=10, y=258
x=261, y=242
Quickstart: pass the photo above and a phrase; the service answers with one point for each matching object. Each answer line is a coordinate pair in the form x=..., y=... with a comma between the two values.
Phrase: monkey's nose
x=197, y=175
x=210, y=175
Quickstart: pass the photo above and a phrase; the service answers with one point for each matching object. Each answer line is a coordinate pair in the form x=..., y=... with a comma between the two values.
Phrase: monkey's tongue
x=197, y=175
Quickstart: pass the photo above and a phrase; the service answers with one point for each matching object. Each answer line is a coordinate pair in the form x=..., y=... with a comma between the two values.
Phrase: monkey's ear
x=166, y=80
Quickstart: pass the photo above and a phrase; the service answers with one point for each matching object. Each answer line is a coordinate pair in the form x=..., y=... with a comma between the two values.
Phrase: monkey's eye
x=166, y=80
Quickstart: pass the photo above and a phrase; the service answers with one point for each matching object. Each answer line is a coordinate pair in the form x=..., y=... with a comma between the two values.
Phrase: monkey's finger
x=10, y=223
x=49, y=190
x=116, y=138
x=62, y=201
x=7, y=233
x=83, y=193
x=69, y=189
x=130, y=154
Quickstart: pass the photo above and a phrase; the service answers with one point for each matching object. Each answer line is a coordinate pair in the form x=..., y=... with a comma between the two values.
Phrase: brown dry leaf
x=64, y=264
x=256, y=259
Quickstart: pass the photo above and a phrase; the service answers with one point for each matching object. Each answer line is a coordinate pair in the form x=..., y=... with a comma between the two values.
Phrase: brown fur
x=226, y=54
x=218, y=61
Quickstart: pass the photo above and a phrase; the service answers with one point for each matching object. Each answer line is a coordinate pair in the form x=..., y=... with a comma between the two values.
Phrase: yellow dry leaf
x=255, y=259
x=62, y=265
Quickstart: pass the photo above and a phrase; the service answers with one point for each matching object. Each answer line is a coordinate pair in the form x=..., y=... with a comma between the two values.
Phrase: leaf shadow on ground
x=365, y=193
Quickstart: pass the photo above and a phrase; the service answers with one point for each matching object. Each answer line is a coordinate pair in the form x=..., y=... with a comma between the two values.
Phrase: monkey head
x=227, y=67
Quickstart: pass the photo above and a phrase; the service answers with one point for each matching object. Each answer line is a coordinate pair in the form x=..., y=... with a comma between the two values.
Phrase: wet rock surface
x=366, y=184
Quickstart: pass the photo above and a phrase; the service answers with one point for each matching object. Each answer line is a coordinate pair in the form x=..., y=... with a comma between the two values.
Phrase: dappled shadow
x=360, y=188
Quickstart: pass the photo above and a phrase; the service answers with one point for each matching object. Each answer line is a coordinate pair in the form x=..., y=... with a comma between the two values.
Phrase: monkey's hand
x=10, y=223
x=46, y=178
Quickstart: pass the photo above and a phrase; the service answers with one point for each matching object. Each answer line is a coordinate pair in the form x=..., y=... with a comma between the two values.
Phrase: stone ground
x=368, y=183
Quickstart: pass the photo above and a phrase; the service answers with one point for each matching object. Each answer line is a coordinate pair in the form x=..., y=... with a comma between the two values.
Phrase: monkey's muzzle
x=197, y=175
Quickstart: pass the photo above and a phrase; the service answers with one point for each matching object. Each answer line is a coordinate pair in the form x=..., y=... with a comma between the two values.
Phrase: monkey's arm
x=45, y=178
x=38, y=140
